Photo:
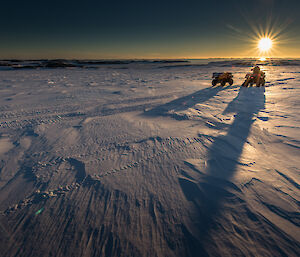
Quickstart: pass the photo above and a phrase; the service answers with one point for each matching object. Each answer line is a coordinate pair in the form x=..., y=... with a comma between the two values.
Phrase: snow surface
x=147, y=159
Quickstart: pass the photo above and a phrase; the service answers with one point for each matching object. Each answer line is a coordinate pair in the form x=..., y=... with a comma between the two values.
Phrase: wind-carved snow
x=147, y=159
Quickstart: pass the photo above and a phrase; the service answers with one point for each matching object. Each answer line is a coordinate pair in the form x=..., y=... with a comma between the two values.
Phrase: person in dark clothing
x=256, y=70
x=257, y=73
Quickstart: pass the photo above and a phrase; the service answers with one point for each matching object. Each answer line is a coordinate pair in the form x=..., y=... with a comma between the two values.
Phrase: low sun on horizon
x=265, y=44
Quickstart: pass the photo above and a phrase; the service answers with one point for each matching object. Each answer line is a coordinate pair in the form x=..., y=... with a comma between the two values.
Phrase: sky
x=122, y=29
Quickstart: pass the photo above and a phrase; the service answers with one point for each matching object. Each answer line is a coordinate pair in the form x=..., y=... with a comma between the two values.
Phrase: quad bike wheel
x=223, y=83
x=261, y=83
x=245, y=84
x=230, y=82
x=214, y=82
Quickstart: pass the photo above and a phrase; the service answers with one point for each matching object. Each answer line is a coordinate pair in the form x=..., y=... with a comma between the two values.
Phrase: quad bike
x=252, y=78
x=222, y=78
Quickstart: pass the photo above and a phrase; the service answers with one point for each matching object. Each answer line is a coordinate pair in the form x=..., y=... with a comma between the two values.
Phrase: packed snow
x=146, y=158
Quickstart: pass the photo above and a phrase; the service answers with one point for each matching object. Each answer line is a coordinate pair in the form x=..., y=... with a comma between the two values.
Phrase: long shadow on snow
x=185, y=102
x=208, y=194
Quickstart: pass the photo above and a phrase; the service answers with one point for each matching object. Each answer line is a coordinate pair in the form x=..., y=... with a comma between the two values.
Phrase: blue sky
x=153, y=29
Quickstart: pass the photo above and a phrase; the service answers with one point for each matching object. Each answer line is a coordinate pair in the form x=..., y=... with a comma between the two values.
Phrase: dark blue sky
x=139, y=29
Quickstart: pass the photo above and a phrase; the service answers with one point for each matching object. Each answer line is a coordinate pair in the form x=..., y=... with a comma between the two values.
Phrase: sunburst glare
x=265, y=40
x=265, y=44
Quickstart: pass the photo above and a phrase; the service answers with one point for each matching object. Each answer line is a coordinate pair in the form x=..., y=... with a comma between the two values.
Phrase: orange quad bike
x=222, y=78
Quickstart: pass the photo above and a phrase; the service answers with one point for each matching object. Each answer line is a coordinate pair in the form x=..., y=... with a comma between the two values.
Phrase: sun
x=265, y=44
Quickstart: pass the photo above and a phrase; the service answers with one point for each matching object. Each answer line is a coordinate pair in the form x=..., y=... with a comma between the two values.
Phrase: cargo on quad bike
x=223, y=78
x=252, y=78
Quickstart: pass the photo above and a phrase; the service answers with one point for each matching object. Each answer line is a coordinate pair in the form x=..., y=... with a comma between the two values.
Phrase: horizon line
x=183, y=58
